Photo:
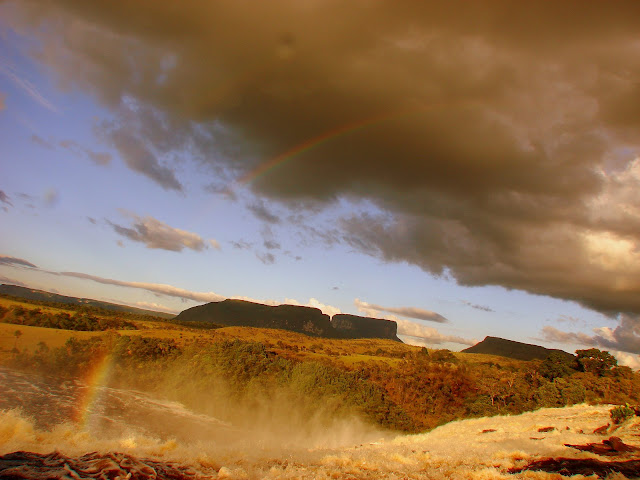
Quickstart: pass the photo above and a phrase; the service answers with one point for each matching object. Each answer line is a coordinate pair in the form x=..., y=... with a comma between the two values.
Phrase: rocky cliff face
x=307, y=320
x=240, y=313
x=353, y=326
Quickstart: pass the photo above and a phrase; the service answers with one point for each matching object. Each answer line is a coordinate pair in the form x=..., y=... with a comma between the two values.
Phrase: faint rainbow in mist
x=95, y=379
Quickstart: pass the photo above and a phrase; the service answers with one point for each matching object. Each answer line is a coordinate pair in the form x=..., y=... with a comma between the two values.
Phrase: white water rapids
x=35, y=416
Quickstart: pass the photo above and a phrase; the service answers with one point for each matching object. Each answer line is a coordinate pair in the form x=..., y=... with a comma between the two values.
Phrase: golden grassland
x=31, y=336
x=12, y=302
x=396, y=386
x=290, y=344
x=348, y=352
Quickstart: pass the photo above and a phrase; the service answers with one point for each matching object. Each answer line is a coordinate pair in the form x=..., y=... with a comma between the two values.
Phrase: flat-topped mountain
x=240, y=313
x=307, y=320
x=512, y=349
x=353, y=326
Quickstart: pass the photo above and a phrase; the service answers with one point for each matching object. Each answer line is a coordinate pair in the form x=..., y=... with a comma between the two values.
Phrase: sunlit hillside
x=227, y=372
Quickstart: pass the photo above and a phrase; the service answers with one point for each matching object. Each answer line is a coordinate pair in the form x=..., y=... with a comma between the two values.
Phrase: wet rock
x=583, y=466
x=611, y=447
x=98, y=466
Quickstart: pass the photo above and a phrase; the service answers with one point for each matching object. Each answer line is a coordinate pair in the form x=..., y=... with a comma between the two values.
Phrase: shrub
x=621, y=413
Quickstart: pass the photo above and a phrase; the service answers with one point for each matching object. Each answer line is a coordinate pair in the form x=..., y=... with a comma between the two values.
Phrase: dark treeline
x=88, y=309
x=82, y=319
x=425, y=389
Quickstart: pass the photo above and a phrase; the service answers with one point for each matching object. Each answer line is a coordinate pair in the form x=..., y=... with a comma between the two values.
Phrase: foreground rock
x=613, y=447
x=583, y=466
x=37, y=466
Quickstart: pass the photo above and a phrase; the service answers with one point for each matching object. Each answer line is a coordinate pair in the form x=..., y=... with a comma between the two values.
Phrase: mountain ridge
x=296, y=318
x=44, y=296
x=512, y=349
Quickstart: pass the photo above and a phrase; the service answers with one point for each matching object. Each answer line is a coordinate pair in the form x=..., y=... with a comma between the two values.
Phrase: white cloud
x=422, y=334
x=155, y=307
x=627, y=359
x=411, y=312
x=159, y=288
x=156, y=234
x=625, y=337
x=315, y=303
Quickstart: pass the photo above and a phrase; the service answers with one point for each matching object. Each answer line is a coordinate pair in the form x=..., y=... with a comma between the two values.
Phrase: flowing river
x=47, y=430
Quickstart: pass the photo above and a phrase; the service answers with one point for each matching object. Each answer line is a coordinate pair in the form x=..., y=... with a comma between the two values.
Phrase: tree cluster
x=420, y=391
x=81, y=321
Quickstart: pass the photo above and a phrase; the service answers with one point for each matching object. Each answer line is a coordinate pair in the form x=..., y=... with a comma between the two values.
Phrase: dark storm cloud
x=486, y=134
x=151, y=142
x=625, y=337
x=156, y=234
x=139, y=158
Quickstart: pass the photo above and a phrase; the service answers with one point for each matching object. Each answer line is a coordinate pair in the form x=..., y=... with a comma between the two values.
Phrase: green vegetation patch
x=82, y=321
x=286, y=375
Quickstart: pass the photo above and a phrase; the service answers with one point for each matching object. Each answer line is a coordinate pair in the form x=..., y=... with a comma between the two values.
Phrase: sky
x=466, y=169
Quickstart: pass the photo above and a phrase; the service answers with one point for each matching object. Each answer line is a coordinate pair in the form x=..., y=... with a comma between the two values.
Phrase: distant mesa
x=353, y=326
x=512, y=349
x=240, y=313
x=307, y=320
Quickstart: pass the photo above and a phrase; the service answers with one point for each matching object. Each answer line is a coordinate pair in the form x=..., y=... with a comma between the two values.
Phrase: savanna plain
x=89, y=392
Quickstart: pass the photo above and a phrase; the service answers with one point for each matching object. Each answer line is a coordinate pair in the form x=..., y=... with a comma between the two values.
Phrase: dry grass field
x=289, y=344
x=346, y=352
